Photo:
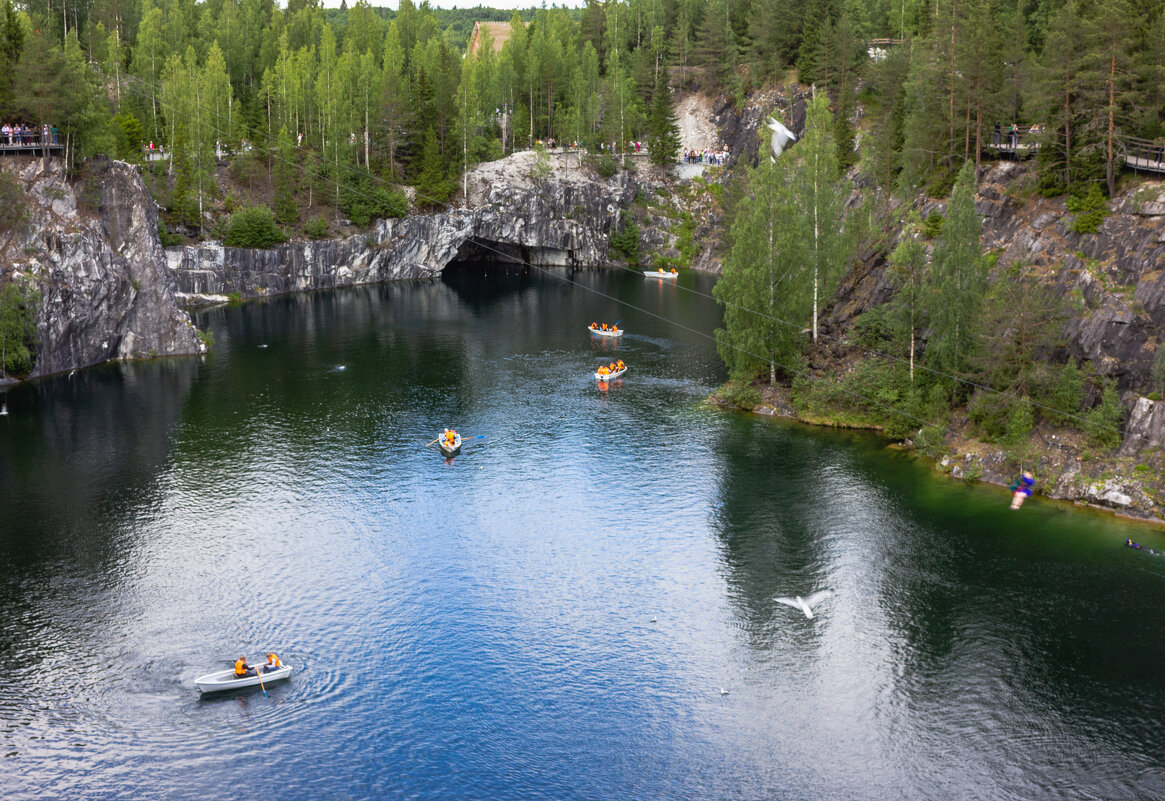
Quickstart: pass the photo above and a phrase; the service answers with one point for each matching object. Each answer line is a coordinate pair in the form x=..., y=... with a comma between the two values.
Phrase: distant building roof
x=499, y=34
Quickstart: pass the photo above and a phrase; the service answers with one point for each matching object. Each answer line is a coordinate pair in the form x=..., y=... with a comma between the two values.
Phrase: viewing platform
x=29, y=143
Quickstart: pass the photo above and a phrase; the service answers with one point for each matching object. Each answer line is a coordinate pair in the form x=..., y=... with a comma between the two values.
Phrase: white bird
x=723, y=691
x=263, y=346
x=4, y=409
x=782, y=136
x=807, y=603
x=653, y=618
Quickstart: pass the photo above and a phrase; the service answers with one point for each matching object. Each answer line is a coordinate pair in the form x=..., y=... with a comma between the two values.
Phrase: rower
x=242, y=669
x=273, y=663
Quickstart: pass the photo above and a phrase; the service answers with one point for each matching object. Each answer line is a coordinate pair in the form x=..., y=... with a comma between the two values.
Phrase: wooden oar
x=259, y=673
x=427, y=444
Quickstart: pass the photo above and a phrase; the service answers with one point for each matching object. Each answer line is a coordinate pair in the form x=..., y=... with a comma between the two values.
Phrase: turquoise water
x=554, y=613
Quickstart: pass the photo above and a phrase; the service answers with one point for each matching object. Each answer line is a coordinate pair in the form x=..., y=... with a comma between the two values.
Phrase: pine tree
x=908, y=266
x=17, y=327
x=663, y=138
x=432, y=188
x=285, y=171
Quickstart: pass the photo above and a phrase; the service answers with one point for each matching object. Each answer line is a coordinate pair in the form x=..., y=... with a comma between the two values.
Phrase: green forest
x=322, y=113
x=357, y=100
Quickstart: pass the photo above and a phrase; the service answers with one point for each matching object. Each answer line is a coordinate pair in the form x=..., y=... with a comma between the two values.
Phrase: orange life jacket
x=273, y=661
x=241, y=667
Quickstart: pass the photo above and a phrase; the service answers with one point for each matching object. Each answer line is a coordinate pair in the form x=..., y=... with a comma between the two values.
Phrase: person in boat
x=595, y=326
x=450, y=437
x=1022, y=489
x=619, y=365
x=673, y=270
x=273, y=663
x=242, y=669
x=1130, y=543
x=604, y=371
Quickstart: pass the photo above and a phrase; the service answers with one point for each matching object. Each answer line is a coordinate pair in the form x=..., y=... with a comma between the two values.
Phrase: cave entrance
x=483, y=269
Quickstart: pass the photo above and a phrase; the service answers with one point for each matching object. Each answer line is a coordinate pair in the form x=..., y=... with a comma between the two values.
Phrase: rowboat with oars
x=660, y=274
x=610, y=376
x=447, y=448
x=610, y=331
x=227, y=680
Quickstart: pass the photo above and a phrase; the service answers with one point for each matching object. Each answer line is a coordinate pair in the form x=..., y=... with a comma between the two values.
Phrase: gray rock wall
x=92, y=249
x=513, y=217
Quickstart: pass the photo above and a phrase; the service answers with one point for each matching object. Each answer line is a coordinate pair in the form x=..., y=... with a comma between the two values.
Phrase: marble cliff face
x=92, y=250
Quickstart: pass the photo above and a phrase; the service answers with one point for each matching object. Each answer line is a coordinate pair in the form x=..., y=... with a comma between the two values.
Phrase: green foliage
x=207, y=337
x=1020, y=424
x=540, y=169
x=433, y=188
x=932, y=227
x=626, y=242
x=18, y=335
x=663, y=131
x=13, y=204
x=1066, y=394
x=604, y=165
x=168, y=239
x=1090, y=209
x=316, y=228
x=284, y=174
x=364, y=201
x=992, y=412
x=253, y=227
x=744, y=395
x=129, y=136
x=956, y=284
x=1104, y=420
x=1158, y=375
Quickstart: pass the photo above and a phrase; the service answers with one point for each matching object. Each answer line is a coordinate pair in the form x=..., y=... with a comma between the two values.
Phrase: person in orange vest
x=604, y=371
x=242, y=669
x=273, y=663
x=450, y=436
x=619, y=364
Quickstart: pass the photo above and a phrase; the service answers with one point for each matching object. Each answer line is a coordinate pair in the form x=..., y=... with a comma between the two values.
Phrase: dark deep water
x=483, y=629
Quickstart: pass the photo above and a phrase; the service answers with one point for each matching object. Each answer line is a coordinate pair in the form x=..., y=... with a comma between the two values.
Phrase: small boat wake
x=807, y=603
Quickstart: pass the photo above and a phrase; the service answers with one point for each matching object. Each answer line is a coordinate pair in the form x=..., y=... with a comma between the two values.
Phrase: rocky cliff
x=92, y=249
x=561, y=219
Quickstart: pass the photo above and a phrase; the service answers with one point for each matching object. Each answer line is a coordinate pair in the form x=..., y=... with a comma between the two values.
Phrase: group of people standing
x=706, y=156
x=29, y=135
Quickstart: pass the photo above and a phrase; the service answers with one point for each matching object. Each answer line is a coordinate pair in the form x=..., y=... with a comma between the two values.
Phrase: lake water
x=558, y=611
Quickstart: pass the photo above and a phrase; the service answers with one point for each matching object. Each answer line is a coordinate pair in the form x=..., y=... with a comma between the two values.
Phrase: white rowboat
x=447, y=449
x=660, y=274
x=616, y=332
x=610, y=376
x=225, y=679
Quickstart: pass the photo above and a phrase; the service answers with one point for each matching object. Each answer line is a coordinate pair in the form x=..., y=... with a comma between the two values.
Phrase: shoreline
x=972, y=460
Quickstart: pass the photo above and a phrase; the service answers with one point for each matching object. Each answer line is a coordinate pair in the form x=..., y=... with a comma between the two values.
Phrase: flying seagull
x=807, y=603
x=782, y=136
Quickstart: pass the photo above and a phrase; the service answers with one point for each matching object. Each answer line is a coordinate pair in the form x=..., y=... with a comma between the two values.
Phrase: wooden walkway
x=1143, y=154
x=1138, y=154
x=33, y=148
